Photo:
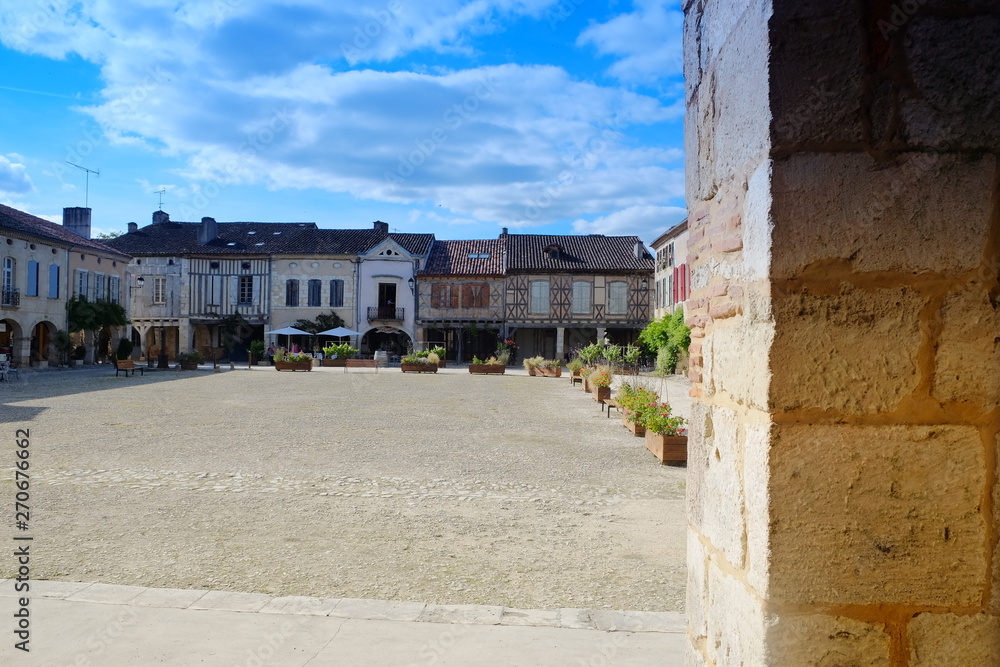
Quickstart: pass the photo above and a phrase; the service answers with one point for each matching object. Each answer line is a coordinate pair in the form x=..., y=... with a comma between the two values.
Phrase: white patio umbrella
x=288, y=331
x=340, y=332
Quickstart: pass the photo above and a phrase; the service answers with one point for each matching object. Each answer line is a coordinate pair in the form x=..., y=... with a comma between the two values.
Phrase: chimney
x=638, y=249
x=208, y=231
x=381, y=227
x=77, y=220
x=503, y=231
x=159, y=217
x=133, y=227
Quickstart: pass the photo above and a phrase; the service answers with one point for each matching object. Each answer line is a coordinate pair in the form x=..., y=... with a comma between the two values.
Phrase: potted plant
x=601, y=381
x=531, y=364
x=489, y=366
x=124, y=349
x=633, y=400
x=441, y=352
x=257, y=352
x=337, y=354
x=79, y=354
x=297, y=361
x=551, y=368
x=666, y=435
x=575, y=366
x=190, y=361
x=420, y=362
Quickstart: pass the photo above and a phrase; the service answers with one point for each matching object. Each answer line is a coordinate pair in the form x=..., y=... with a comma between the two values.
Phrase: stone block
x=877, y=515
x=757, y=224
x=938, y=640
x=949, y=55
x=472, y=614
x=923, y=213
x=377, y=610
x=173, y=598
x=530, y=617
x=735, y=622
x=756, y=482
x=107, y=594
x=715, y=489
x=740, y=139
x=229, y=601
x=696, y=605
x=817, y=73
x=854, y=352
x=300, y=604
x=967, y=367
x=736, y=358
x=826, y=640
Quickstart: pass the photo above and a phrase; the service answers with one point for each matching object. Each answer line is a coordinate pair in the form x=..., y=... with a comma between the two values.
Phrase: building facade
x=673, y=275
x=43, y=266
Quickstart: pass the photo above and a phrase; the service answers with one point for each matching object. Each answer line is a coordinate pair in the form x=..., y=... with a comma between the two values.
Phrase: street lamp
x=644, y=284
x=411, y=283
x=139, y=282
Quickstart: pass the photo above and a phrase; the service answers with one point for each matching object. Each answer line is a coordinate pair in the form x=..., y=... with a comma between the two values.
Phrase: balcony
x=11, y=298
x=385, y=314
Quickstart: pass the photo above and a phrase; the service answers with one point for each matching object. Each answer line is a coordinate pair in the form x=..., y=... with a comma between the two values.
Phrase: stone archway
x=42, y=350
x=11, y=338
x=388, y=339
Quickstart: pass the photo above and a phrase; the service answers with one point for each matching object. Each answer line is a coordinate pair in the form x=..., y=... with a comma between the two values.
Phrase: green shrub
x=668, y=336
x=124, y=348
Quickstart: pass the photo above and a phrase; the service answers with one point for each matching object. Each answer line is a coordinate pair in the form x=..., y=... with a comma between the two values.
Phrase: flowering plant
x=633, y=398
x=657, y=418
x=601, y=378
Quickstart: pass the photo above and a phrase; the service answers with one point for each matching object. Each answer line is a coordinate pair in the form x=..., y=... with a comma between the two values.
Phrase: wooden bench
x=127, y=365
x=610, y=402
x=575, y=379
x=361, y=363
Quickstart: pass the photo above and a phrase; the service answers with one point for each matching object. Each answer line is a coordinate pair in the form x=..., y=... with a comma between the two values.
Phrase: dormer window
x=213, y=265
x=479, y=255
x=553, y=251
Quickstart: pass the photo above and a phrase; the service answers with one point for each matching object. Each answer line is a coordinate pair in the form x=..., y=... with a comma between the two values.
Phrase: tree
x=108, y=235
x=323, y=322
x=667, y=337
x=92, y=316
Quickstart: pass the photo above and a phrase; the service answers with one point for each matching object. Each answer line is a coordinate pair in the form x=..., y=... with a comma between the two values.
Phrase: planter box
x=293, y=365
x=550, y=371
x=189, y=365
x=335, y=363
x=636, y=429
x=533, y=371
x=487, y=369
x=419, y=368
x=667, y=448
x=601, y=393
x=586, y=384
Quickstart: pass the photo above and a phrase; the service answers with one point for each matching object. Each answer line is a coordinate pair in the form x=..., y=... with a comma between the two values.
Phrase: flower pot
x=601, y=393
x=335, y=363
x=586, y=384
x=667, y=448
x=189, y=365
x=487, y=369
x=532, y=371
x=419, y=368
x=550, y=371
x=293, y=365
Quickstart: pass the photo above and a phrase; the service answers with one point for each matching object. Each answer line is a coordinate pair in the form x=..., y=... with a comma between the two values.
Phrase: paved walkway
x=100, y=624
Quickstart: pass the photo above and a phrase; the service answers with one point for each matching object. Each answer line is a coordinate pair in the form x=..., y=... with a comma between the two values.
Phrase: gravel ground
x=448, y=488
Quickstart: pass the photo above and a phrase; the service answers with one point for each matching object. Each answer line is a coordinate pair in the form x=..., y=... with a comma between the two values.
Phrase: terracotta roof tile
x=25, y=223
x=477, y=257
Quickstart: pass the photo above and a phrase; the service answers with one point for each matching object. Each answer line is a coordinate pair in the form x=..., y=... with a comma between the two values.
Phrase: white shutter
x=234, y=290
x=255, y=299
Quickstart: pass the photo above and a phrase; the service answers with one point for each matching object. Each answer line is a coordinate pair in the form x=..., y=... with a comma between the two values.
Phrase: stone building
x=673, y=277
x=44, y=265
x=844, y=197
x=562, y=292
x=460, y=297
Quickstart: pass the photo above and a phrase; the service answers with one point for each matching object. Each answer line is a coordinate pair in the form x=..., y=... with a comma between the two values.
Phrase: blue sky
x=454, y=117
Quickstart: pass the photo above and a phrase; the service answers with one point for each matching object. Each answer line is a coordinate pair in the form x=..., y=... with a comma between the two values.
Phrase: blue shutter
x=32, y=278
x=53, y=281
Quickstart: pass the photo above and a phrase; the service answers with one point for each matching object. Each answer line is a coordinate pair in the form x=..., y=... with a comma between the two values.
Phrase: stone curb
x=379, y=610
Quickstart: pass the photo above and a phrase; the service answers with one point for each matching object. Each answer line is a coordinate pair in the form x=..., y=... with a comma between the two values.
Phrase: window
x=159, y=289
x=32, y=278
x=476, y=296
x=82, y=283
x=8, y=274
x=444, y=296
x=539, y=297
x=617, y=298
x=98, y=286
x=245, y=294
x=315, y=288
x=53, y=281
x=582, y=291
x=336, y=293
x=292, y=292
x=114, y=289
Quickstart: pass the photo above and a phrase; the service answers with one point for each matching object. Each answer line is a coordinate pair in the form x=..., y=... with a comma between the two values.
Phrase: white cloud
x=14, y=177
x=646, y=222
x=647, y=41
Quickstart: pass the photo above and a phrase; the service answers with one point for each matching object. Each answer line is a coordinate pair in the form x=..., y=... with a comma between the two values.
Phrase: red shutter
x=454, y=295
x=436, y=295
x=687, y=282
x=675, y=287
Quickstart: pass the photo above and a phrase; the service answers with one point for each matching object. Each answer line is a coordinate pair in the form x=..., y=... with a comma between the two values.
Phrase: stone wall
x=844, y=204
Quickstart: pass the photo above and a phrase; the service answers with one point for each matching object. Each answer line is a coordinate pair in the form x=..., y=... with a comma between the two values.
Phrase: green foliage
x=656, y=417
x=194, y=356
x=476, y=361
x=80, y=353
x=257, y=349
x=590, y=353
x=339, y=351
x=532, y=362
x=86, y=315
x=63, y=344
x=421, y=357
x=669, y=336
x=602, y=378
x=124, y=349
x=440, y=351
x=575, y=365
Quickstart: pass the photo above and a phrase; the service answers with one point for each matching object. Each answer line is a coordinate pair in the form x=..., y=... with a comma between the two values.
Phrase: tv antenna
x=160, y=192
x=86, y=196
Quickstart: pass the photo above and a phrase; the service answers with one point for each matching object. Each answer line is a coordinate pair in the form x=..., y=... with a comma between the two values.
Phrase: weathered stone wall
x=844, y=202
